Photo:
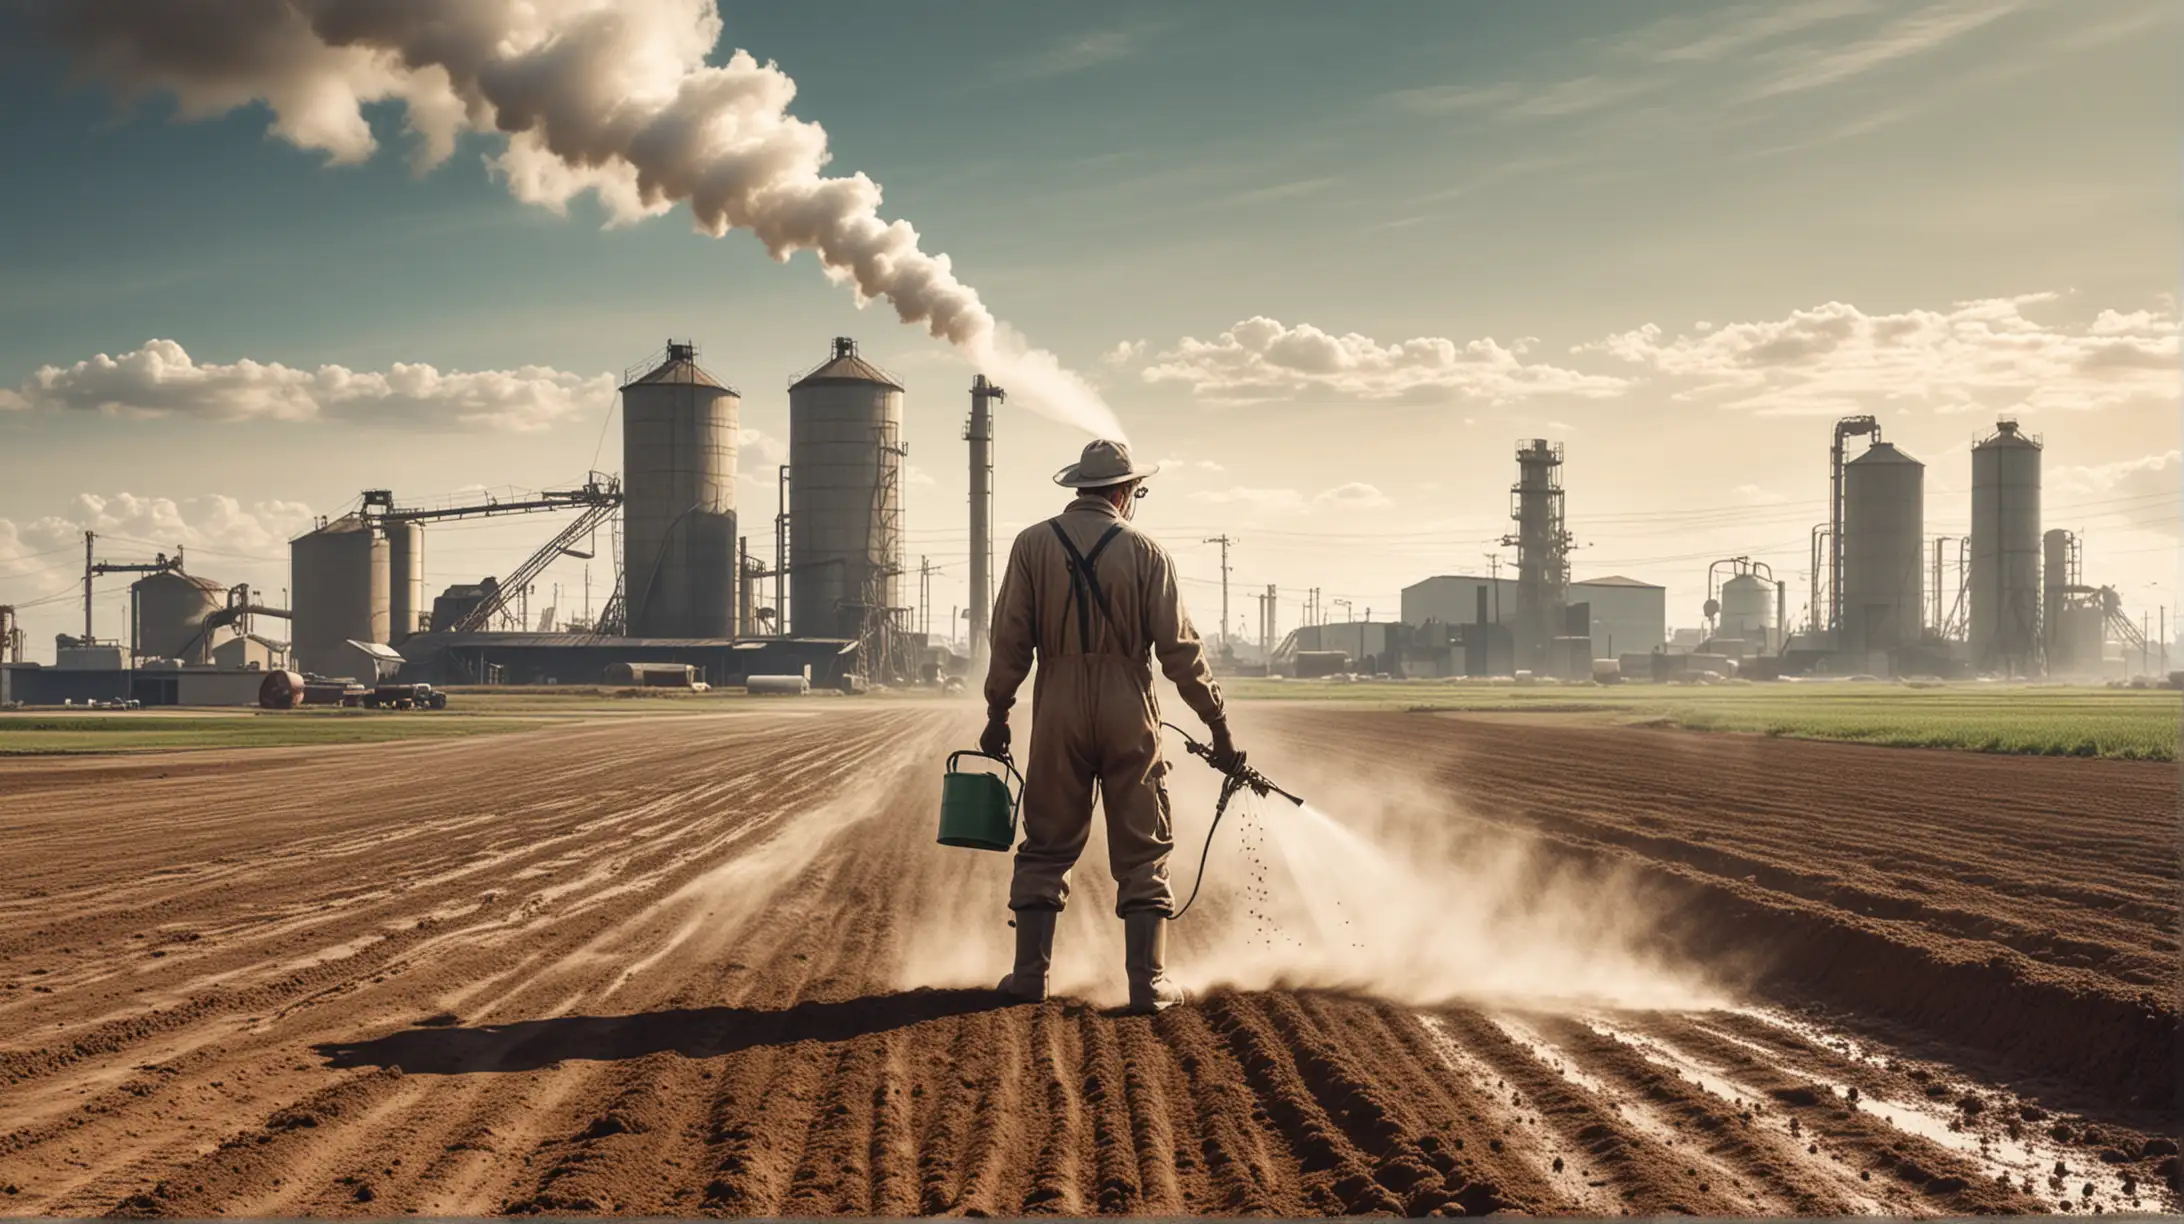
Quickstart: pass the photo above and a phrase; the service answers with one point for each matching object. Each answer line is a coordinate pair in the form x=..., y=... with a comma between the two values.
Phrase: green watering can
x=976, y=809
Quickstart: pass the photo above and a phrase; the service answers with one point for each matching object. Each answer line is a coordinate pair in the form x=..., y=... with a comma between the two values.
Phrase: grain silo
x=1748, y=612
x=405, y=579
x=1884, y=525
x=337, y=590
x=679, y=427
x=845, y=496
x=2005, y=567
x=171, y=608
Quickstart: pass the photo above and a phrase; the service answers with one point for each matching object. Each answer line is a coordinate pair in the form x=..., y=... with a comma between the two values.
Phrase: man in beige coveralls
x=1095, y=601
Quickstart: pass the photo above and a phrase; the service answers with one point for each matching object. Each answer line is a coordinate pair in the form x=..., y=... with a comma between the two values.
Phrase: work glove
x=994, y=741
x=1225, y=756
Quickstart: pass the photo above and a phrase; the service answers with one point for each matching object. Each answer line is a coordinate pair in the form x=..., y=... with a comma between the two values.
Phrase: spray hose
x=1237, y=777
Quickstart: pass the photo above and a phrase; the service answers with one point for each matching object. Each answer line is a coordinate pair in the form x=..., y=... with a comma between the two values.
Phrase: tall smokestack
x=979, y=433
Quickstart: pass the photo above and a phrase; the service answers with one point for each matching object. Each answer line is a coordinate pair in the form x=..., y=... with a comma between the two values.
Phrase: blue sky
x=1140, y=175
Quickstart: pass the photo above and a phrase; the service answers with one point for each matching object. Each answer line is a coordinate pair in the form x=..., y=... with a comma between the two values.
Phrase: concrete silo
x=337, y=590
x=1884, y=525
x=171, y=608
x=2005, y=567
x=845, y=496
x=679, y=432
x=405, y=579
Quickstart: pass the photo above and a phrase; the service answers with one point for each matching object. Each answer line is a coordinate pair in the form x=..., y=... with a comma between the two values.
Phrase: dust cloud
x=1405, y=906
x=1381, y=886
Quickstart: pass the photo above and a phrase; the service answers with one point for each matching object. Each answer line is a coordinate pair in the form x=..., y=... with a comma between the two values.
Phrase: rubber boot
x=1034, y=954
x=1145, y=957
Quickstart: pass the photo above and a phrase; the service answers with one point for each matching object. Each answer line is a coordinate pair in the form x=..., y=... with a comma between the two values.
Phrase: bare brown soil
x=658, y=967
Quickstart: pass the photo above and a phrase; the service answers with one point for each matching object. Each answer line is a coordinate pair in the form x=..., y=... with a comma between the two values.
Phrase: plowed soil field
x=714, y=965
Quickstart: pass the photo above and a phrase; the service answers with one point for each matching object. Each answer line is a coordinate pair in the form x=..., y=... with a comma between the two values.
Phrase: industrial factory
x=687, y=597
x=692, y=602
x=2017, y=608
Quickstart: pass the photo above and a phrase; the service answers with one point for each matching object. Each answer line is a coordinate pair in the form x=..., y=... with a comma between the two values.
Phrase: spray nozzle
x=1240, y=775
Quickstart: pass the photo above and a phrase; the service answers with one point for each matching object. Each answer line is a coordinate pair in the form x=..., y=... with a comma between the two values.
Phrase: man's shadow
x=702, y=1032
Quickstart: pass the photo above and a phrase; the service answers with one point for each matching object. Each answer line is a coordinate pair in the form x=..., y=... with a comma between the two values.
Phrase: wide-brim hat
x=1103, y=463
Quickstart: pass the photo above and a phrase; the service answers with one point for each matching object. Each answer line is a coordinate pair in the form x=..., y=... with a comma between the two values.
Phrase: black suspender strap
x=1084, y=582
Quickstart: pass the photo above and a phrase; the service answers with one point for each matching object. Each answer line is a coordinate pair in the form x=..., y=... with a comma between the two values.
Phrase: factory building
x=1625, y=615
x=252, y=652
x=86, y=675
x=679, y=432
x=845, y=500
x=573, y=659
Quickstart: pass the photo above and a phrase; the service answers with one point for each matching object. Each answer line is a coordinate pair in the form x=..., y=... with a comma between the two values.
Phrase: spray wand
x=1238, y=777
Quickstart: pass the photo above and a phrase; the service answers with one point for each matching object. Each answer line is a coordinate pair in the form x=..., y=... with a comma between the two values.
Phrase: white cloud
x=913, y=474
x=1076, y=54
x=1807, y=68
x=1355, y=495
x=1124, y=352
x=1188, y=465
x=1984, y=355
x=1262, y=359
x=161, y=379
x=2144, y=476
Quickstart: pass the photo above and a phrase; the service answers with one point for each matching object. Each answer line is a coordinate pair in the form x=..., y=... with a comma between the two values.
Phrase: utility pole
x=925, y=595
x=87, y=538
x=1224, y=541
x=1493, y=564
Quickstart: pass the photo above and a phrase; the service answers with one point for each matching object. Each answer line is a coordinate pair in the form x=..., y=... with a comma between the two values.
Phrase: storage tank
x=1884, y=526
x=2005, y=573
x=845, y=494
x=679, y=427
x=2056, y=549
x=1748, y=611
x=171, y=608
x=337, y=591
x=281, y=690
x=405, y=580
x=652, y=675
x=777, y=686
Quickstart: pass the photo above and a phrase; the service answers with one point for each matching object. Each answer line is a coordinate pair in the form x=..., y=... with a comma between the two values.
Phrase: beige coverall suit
x=1094, y=716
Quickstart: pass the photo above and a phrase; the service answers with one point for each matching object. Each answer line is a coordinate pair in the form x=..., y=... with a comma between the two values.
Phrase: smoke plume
x=613, y=97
